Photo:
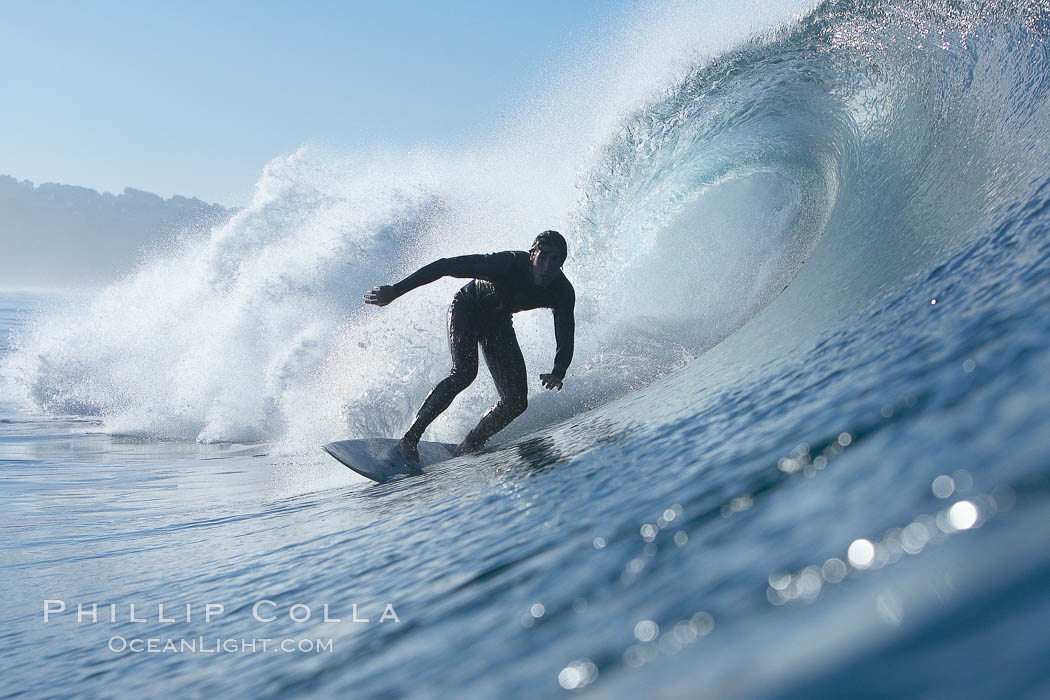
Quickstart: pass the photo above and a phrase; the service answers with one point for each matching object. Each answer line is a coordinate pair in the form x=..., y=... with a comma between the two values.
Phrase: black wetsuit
x=481, y=314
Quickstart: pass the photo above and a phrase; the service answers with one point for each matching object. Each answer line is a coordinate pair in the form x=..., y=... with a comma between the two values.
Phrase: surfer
x=503, y=284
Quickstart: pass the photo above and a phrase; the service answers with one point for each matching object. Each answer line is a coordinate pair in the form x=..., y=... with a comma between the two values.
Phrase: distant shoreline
x=66, y=236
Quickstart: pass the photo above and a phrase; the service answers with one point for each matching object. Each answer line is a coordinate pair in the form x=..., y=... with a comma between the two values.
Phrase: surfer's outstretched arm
x=481, y=267
x=565, y=337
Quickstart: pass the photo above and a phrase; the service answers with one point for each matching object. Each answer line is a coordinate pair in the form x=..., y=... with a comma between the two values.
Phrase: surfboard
x=379, y=460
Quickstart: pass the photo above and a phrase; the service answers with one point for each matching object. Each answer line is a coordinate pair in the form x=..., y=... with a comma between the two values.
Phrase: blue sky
x=193, y=98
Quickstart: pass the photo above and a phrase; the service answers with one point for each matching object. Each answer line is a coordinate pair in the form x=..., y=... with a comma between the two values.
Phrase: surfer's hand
x=551, y=381
x=380, y=296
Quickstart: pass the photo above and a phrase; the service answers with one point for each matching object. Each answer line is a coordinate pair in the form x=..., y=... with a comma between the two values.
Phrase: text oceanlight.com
x=204, y=645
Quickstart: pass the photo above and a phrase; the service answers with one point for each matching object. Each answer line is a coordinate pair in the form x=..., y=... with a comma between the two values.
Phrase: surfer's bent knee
x=462, y=378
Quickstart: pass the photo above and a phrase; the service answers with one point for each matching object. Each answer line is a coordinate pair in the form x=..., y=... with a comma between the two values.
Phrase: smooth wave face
x=802, y=438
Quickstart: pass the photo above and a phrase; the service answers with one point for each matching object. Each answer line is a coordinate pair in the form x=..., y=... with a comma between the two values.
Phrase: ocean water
x=801, y=452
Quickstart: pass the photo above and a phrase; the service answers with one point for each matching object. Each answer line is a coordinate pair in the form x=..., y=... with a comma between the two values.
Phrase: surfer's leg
x=507, y=366
x=463, y=345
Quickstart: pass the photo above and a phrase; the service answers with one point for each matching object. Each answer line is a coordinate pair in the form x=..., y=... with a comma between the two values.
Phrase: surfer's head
x=548, y=253
x=551, y=240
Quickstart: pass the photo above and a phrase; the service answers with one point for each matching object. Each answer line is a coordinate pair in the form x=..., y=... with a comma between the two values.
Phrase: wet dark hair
x=551, y=239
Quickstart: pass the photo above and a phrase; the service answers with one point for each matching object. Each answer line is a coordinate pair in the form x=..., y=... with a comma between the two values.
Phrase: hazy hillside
x=66, y=236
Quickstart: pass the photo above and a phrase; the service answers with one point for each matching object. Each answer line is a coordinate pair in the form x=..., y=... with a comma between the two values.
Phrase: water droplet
x=646, y=631
x=963, y=480
x=578, y=674
x=833, y=570
x=943, y=486
x=861, y=554
x=704, y=622
x=962, y=515
x=914, y=538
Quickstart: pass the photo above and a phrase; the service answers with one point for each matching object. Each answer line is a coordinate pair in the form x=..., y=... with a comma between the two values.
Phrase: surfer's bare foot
x=409, y=450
